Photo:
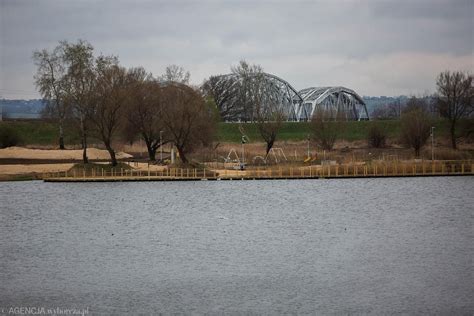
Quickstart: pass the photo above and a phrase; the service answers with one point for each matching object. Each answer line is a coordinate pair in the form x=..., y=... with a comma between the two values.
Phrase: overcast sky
x=374, y=47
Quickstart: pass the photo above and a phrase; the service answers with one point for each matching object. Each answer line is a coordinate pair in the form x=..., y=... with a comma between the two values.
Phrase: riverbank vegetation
x=92, y=100
x=43, y=133
x=104, y=99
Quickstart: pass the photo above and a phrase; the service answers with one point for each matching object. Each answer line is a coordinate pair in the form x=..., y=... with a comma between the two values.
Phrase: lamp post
x=432, y=143
x=141, y=147
x=161, y=146
x=308, y=138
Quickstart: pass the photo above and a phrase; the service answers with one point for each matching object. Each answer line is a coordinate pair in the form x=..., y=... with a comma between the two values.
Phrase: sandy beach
x=34, y=168
x=41, y=160
x=73, y=154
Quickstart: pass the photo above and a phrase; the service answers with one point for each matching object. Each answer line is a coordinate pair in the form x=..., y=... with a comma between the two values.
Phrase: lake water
x=355, y=246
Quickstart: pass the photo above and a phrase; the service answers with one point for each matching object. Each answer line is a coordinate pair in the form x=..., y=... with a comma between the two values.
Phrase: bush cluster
x=8, y=137
x=377, y=136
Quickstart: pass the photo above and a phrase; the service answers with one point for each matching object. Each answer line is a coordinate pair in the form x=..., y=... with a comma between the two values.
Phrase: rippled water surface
x=265, y=247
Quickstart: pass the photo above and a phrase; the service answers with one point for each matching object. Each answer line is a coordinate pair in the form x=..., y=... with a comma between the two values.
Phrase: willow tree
x=186, y=118
x=144, y=110
x=110, y=97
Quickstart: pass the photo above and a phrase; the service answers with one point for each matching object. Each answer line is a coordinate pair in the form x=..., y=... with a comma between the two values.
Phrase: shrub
x=448, y=154
x=8, y=137
x=415, y=127
x=376, y=136
x=466, y=130
x=326, y=128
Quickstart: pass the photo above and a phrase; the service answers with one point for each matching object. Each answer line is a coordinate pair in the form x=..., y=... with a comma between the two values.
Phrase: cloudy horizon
x=374, y=47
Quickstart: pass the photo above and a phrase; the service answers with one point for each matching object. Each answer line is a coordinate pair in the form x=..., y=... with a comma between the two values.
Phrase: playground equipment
x=229, y=156
x=233, y=157
x=277, y=153
x=257, y=159
x=311, y=158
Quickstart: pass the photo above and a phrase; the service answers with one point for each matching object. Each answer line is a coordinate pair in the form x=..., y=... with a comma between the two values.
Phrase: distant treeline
x=21, y=109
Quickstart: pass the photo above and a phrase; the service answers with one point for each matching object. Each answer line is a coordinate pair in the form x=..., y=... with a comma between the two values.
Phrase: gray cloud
x=376, y=47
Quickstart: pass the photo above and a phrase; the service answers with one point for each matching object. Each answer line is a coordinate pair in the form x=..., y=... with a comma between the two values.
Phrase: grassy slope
x=41, y=132
x=229, y=132
x=46, y=133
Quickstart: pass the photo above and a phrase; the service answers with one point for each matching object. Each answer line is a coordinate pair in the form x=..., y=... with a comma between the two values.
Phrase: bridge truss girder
x=273, y=90
x=339, y=101
x=296, y=106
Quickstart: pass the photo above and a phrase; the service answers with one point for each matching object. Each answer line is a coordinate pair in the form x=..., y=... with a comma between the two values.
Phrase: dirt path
x=38, y=168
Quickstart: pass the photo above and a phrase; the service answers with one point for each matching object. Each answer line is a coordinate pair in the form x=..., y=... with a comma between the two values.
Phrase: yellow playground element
x=310, y=159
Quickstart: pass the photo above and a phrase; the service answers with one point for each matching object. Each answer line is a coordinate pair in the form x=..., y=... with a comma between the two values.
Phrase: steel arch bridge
x=297, y=106
x=277, y=90
x=339, y=101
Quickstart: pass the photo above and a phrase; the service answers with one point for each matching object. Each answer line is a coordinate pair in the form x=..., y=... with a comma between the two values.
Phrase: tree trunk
x=152, y=154
x=84, y=142
x=182, y=155
x=113, y=159
x=61, y=135
x=269, y=146
x=151, y=151
x=452, y=131
x=84, y=150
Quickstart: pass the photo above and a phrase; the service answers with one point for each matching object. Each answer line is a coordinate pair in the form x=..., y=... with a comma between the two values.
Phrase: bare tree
x=144, y=110
x=390, y=110
x=110, y=97
x=269, y=115
x=79, y=86
x=186, y=117
x=249, y=88
x=50, y=81
x=455, y=98
x=377, y=135
x=65, y=78
x=175, y=73
x=261, y=103
x=325, y=129
x=415, y=124
x=222, y=91
x=395, y=109
x=269, y=122
x=380, y=112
